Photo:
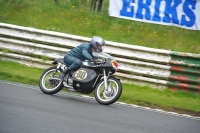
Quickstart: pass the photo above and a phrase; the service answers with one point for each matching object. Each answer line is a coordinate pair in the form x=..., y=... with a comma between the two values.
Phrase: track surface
x=25, y=109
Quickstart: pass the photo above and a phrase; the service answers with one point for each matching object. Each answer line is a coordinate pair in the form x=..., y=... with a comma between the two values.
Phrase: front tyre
x=50, y=83
x=109, y=95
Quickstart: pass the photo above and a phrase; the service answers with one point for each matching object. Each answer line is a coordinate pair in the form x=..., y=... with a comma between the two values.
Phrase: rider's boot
x=64, y=73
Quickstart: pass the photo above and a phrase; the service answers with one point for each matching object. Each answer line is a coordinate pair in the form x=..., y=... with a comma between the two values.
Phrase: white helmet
x=97, y=41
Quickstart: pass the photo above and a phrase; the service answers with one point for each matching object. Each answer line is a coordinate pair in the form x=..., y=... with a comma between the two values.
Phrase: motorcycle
x=91, y=76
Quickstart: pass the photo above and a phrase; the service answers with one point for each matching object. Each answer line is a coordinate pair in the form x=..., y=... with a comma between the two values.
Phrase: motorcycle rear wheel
x=50, y=82
x=111, y=94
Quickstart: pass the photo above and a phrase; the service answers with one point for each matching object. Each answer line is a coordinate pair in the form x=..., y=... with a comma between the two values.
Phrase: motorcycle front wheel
x=109, y=95
x=50, y=83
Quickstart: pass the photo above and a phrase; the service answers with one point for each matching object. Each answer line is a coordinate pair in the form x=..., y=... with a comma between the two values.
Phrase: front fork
x=105, y=77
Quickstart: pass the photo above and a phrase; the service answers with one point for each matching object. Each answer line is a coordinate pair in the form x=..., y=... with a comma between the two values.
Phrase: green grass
x=141, y=95
x=165, y=99
x=19, y=73
x=75, y=17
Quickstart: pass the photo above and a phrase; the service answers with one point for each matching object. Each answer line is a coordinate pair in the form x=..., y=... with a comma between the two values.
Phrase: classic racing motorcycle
x=91, y=76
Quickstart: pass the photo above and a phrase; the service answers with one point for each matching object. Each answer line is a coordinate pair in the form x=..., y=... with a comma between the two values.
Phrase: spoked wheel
x=110, y=94
x=50, y=83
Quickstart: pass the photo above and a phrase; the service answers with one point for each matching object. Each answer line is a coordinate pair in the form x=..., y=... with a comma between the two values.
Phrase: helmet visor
x=100, y=47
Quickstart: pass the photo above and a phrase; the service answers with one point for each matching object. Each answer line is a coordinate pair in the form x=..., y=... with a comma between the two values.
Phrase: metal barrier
x=185, y=72
x=137, y=64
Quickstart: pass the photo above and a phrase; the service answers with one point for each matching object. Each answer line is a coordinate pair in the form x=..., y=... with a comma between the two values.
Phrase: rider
x=82, y=52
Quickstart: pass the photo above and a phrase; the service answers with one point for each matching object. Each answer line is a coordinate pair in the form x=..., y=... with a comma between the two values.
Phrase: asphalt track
x=25, y=109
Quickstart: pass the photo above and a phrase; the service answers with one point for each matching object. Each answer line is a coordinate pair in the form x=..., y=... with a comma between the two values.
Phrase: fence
x=95, y=5
x=141, y=65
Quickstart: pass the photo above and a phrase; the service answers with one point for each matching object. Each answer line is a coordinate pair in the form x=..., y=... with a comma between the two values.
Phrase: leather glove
x=96, y=61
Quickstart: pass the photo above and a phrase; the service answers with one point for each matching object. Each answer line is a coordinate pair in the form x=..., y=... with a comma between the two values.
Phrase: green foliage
x=44, y=58
x=75, y=17
x=5, y=50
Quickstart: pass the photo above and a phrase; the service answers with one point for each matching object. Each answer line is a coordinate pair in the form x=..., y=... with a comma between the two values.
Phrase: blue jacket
x=82, y=52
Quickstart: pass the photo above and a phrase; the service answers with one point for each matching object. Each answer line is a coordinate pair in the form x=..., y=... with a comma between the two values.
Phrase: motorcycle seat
x=61, y=60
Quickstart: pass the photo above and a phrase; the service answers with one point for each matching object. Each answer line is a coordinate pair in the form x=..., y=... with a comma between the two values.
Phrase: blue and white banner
x=181, y=13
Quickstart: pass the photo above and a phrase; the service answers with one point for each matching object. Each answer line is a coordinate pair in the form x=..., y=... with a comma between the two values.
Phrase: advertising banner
x=181, y=13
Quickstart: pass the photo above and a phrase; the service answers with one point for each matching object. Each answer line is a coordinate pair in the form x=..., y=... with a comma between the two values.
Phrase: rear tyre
x=50, y=82
x=111, y=94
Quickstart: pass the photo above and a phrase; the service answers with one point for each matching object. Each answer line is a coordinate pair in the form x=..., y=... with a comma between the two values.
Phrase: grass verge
x=180, y=102
x=75, y=17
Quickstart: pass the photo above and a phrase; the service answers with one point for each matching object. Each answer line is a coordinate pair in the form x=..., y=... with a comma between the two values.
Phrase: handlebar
x=98, y=62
